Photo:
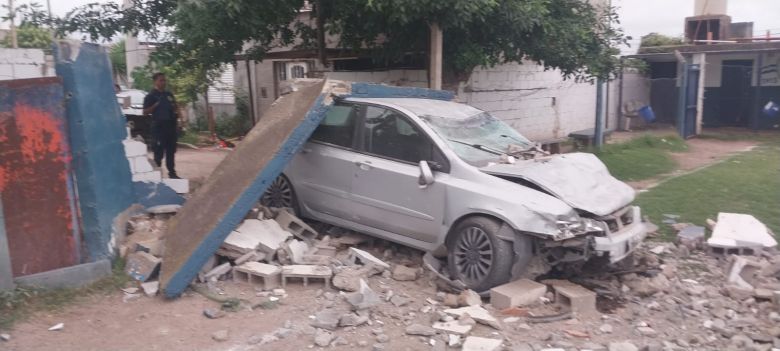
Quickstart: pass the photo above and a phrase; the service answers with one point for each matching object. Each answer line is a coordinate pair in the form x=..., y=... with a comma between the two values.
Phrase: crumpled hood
x=579, y=179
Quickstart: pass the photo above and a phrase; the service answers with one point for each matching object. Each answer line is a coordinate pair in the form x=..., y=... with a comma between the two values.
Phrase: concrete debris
x=56, y=327
x=163, y=209
x=622, y=346
x=691, y=237
x=265, y=236
x=469, y=297
x=421, y=330
x=581, y=301
x=307, y=272
x=404, y=273
x=327, y=319
x=521, y=292
x=453, y=327
x=352, y=320
x=292, y=252
x=735, y=230
x=658, y=249
x=252, y=272
x=151, y=288
x=213, y=313
x=251, y=256
x=741, y=272
x=279, y=292
x=475, y=343
x=296, y=226
x=5, y=337
x=453, y=340
x=141, y=265
x=180, y=186
x=400, y=301
x=155, y=247
x=450, y=300
x=479, y=314
x=366, y=258
x=262, y=339
x=218, y=271
x=365, y=298
x=606, y=329
x=348, y=278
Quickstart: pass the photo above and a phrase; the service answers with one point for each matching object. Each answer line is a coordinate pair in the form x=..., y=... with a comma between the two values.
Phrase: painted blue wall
x=96, y=129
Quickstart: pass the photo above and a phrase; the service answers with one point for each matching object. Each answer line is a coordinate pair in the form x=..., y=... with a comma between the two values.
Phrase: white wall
x=405, y=77
x=636, y=87
x=24, y=64
x=538, y=103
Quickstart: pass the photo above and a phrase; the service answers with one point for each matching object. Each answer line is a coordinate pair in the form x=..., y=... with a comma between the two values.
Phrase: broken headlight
x=570, y=228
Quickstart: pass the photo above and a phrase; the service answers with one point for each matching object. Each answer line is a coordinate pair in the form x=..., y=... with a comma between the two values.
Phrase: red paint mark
x=40, y=133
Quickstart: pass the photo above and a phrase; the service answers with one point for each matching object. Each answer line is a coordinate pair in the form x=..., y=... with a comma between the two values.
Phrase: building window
x=222, y=90
x=298, y=72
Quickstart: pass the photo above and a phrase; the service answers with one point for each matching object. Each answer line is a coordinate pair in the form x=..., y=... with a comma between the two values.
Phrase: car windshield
x=477, y=139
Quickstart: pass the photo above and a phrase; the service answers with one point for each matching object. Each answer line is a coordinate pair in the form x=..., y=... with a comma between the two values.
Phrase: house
x=728, y=76
x=538, y=103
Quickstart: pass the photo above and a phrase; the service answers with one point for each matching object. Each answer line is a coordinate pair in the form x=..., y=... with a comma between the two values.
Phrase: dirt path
x=701, y=153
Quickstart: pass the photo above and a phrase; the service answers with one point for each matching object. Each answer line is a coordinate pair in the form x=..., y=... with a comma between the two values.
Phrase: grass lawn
x=748, y=183
x=641, y=158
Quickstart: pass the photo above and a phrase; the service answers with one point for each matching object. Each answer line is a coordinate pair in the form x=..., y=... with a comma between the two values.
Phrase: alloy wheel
x=474, y=254
x=279, y=194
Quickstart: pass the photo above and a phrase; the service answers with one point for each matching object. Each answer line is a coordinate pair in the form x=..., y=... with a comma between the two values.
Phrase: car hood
x=579, y=179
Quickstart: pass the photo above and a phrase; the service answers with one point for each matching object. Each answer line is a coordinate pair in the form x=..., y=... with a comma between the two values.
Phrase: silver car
x=458, y=183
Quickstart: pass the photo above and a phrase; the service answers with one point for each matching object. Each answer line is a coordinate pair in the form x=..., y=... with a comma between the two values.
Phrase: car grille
x=619, y=219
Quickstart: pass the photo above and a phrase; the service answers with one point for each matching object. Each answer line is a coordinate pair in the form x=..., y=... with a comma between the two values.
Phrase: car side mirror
x=426, y=175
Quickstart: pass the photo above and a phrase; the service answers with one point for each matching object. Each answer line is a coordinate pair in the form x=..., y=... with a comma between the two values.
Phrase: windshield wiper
x=479, y=147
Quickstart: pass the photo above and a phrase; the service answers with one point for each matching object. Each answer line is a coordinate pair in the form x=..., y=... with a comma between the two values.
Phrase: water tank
x=710, y=7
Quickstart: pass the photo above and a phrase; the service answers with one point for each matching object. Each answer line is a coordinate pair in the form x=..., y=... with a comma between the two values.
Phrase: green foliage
x=142, y=78
x=238, y=124
x=570, y=35
x=30, y=36
x=656, y=39
x=747, y=183
x=641, y=158
x=118, y=59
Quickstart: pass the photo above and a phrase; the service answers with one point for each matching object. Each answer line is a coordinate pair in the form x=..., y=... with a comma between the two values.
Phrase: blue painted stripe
x=370, y=90
x=235, y=214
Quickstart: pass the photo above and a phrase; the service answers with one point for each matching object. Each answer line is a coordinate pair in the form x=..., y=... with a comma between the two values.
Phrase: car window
x=390, y=134
x=338, y=126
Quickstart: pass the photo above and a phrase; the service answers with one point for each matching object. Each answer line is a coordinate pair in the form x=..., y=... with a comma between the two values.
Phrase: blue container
x=771, y=109
x=647, y=114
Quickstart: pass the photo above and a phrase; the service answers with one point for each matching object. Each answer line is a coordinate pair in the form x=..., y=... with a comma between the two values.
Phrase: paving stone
x=475, y=343
x=404, y=273
x=517, y=293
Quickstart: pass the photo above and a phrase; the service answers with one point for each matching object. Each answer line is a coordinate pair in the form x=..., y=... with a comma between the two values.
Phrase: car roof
x=425, y=107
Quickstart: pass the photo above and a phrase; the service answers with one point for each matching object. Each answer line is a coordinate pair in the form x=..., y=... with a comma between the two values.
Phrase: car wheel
x=477, y=257
x=280, y=194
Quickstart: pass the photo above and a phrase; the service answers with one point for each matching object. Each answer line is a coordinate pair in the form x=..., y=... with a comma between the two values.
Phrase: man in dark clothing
x=162, y=106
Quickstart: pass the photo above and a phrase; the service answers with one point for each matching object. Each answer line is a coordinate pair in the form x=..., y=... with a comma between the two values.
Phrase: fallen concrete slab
x=734, y=230
x=198, y=230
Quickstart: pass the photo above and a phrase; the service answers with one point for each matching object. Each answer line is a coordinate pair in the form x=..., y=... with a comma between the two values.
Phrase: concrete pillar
x=435, y=63
x=701, y=60
x=6, y=276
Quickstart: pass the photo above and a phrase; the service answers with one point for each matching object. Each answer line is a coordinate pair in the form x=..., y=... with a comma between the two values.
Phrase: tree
x=118, y=58
x=30, y=36
x=570, y=35
x=656, y=39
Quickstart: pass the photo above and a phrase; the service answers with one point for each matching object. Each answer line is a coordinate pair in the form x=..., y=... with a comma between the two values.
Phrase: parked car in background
x=131, y=101
x=456, y=182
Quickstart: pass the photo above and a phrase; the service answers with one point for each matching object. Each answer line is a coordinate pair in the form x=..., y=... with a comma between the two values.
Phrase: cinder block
x=141, y=265
x=250, y=271
x=148, y=177
x=296, y=226
x=581, y=301
x=180, y=186
x=134, y=148
x=306, y=272
x=517, y=293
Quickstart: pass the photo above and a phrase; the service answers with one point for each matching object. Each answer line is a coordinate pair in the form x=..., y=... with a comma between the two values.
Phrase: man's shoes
x=158, y=163
x=173, y=175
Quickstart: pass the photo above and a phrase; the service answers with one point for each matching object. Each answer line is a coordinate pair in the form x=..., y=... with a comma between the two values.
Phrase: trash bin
x=647, y=114
x=771, y=109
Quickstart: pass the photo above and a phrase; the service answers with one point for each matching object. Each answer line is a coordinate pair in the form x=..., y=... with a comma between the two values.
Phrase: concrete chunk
x=366, y=258
x=252, y=271
x=453, y=327
x=140, y=164
x=148, y=177
x=134, y=148
x=478, y=313
x=296, y=226
x=252, y=234
x=740, y=230
x=141, y=265
x=307, y=272
x=218, y=271
x=692, y=237
x=475, y=343
x=517, y=293
x=180, y=186
x=742, y=272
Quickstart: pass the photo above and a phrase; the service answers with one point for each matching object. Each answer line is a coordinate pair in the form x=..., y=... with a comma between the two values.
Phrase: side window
x=390, y=134
x=338, y=126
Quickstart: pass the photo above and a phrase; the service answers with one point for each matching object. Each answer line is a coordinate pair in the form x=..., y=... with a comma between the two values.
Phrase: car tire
x=477, y=256
x=280, y=194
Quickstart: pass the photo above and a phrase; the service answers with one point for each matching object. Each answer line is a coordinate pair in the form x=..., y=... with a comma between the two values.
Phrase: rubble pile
x=680, y=295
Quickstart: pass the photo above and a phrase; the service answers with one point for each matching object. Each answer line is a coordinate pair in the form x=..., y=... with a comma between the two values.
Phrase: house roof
x=664, y=53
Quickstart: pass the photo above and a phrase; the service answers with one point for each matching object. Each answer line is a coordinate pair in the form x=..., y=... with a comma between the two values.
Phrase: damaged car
x=462, y=185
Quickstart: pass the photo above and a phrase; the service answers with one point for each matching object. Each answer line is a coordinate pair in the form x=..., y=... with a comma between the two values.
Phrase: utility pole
x=435, y=57
x=598, y=131
x=12, y=15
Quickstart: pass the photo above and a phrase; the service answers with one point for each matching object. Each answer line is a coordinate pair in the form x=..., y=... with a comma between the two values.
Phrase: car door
x=322, y=172
x=385, y=187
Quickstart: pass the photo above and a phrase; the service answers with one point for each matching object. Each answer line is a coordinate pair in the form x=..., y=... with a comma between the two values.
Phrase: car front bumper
x=618, y=245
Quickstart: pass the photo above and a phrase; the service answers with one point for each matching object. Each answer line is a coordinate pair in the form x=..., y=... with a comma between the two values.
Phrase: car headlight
x=577, y=226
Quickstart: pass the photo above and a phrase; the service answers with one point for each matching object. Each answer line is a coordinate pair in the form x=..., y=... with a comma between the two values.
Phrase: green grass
x=190, y=137
x=18, y=304
x=641, y=158
x=748, y=183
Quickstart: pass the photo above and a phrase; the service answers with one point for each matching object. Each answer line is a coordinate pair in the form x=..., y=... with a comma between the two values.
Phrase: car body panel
x=579, y=179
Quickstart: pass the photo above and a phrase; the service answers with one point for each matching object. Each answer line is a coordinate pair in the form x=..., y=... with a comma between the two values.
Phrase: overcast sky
x=638, y=17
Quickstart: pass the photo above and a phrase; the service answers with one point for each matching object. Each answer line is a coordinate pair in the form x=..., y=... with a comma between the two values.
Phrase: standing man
x=162, y=106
